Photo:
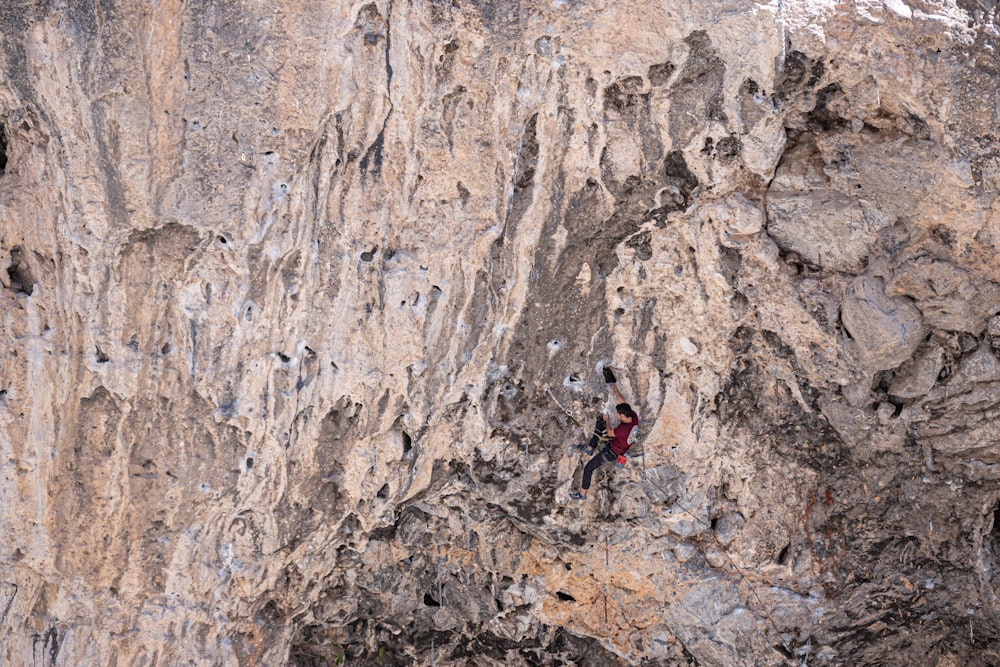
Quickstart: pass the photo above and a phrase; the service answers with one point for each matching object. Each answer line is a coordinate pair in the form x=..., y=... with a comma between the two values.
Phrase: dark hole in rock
x=714, y=521
x=750, y=87
x=21, y=280
x=249, y=462
x=383, y=492
x=728, y=148
x=783, y=651
x=996, y=523
x=334, y=366
x=883, y=380
x=222, y=240
x=783, y=555
x=101, y=357
x=284, y=358
x=407, y=442
x=565, y=597
x=3, y=151
x=430, y=601
x=165, y=349
x=660, y=73
x=368, y=255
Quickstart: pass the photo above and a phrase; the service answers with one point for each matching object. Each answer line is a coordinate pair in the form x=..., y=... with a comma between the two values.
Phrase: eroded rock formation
x=305, y=303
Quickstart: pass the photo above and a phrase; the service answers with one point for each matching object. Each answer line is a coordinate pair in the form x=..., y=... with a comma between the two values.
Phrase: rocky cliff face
x=305, y=303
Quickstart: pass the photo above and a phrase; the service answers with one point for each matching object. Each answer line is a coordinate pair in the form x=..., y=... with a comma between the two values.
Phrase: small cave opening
x=782, y=558
x=249, y=462
x=565, y=597
x=407, y=443
x=383, y=493
x=21, y=280
x=429, y=601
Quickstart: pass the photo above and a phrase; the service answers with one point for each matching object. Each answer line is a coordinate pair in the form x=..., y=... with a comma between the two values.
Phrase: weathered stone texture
x=305, y=303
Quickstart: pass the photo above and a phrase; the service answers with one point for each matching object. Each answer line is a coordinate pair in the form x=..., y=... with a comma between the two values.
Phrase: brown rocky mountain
x=305, y=304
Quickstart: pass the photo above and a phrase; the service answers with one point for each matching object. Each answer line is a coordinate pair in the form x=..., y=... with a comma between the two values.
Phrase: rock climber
x=619, y=439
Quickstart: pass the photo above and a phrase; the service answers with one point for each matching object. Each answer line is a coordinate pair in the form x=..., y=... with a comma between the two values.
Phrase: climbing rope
x=563, y=408
x=742, y=573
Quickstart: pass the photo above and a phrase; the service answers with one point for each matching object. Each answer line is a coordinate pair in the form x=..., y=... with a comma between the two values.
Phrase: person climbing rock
x=619, y=439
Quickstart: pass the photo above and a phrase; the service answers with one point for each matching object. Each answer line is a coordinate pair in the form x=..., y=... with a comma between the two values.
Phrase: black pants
x=602, y=457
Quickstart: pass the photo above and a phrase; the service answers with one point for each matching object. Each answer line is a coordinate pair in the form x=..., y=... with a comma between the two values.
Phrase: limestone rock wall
x=305, y=304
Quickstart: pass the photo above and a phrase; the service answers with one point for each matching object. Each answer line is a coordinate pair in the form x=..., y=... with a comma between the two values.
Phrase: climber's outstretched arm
x=618, y=393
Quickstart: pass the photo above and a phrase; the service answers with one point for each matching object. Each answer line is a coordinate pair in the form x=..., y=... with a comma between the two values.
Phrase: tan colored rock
x=303, y=305
x=886, y=330
x=948, y=297
x=821, y=220
x=918, y=376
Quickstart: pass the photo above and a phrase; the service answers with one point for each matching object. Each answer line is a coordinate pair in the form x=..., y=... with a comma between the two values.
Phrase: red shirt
x=624, y=435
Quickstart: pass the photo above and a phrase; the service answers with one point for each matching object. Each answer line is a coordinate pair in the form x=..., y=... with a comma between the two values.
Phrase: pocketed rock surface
x=305, y=305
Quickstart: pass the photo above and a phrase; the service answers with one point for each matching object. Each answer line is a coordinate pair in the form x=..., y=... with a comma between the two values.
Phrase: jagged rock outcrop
x=305, y=303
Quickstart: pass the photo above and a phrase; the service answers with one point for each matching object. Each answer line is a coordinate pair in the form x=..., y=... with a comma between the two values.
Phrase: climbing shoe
x=585, y=449
x=576, y=495
x=609, y=375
